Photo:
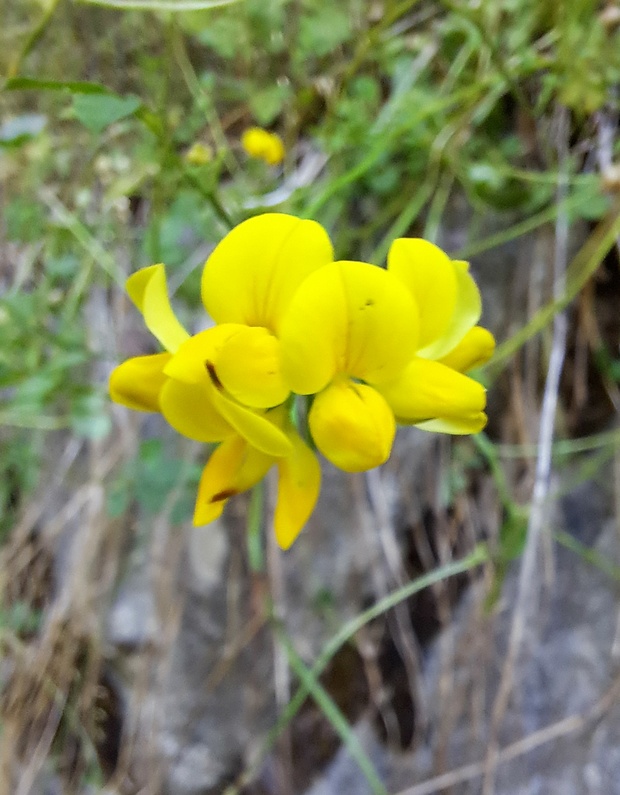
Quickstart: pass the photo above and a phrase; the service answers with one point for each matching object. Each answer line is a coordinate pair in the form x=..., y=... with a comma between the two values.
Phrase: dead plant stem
x=527, y=587
x=554, y=731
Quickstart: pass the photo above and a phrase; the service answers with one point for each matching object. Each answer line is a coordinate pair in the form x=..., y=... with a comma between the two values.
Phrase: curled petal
x=147, y=289
x=352, y=425
x=446, y=294
x=233, y=467
x=467, y=311
x=299, y=483
x=429, y=275
x=190, y=409
x=137, y=382
x=473, y=350
x=200, y=395
x=351, y=318
x=428, y=391
x=456, y=426
x=254, y=271
x=254, y=427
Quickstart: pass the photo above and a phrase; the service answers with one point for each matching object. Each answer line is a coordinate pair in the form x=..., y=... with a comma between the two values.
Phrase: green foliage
x=149, y=480
x=98, y=111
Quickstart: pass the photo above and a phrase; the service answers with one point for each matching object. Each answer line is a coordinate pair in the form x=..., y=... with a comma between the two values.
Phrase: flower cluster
x=373, y=347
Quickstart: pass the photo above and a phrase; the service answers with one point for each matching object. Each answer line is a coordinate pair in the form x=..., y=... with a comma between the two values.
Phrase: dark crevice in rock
x=592, y=367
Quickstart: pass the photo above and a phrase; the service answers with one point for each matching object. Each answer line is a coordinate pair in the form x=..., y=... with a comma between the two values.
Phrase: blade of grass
x=383, y=140
x=489, y=450
x=478, y=556
x=65, y=219
x=404, y=220
x=563, y=447
x=588, y=554
x=35, y=35
x=521, y=228
x=583, y=265
x=162, y=5
x=332, y=713
x=205, y=103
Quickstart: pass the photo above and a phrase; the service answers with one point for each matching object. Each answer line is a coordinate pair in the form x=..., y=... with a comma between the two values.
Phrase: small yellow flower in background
x=374, y=347
x=263, y=145
x=199, y=154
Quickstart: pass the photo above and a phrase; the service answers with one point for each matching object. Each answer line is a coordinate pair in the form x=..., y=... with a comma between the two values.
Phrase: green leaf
x=162, y=5
x=326, y=27
x=478, y=556
x=267, y=103
x=226, y=35
x=25, y=220
x=333, y=714
x=74, y=86
x=98, y=111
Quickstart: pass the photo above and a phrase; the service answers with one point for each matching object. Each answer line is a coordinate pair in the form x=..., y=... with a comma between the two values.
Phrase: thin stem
x=32, y=39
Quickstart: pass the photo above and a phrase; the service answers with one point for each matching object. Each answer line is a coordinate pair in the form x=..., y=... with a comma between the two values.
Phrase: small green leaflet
x=97, y=111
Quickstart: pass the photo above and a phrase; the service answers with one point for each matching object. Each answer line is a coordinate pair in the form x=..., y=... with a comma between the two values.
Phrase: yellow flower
x=373, y=347
x=183, y=383
x=217, y=385
x=349, y=327
x=432, y=392
x=381, y=347
x=263, y=145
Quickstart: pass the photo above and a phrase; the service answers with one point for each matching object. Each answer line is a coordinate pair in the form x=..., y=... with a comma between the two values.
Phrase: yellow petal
x=137, y=382
x=467, y=311
x=299, y=483
x=147, y=289
x=447, y=296
x=242, y=360
x=190, y=363
x=248, y=366
x=352, y=425
x=255, y=428
x=196, y=366
x=232, y=468
x=190, y=409
x=473, y=424
x=350, y=318
x=254, y=271
x=430, y=276
x=473, y=350
x=428, y=390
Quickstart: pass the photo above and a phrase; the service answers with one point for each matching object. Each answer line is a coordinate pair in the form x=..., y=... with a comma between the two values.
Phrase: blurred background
x=445, y=624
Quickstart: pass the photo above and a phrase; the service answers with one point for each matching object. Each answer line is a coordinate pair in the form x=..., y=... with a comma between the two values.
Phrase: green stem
x=32, y=39
x=479, y=555
x=332, y=713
